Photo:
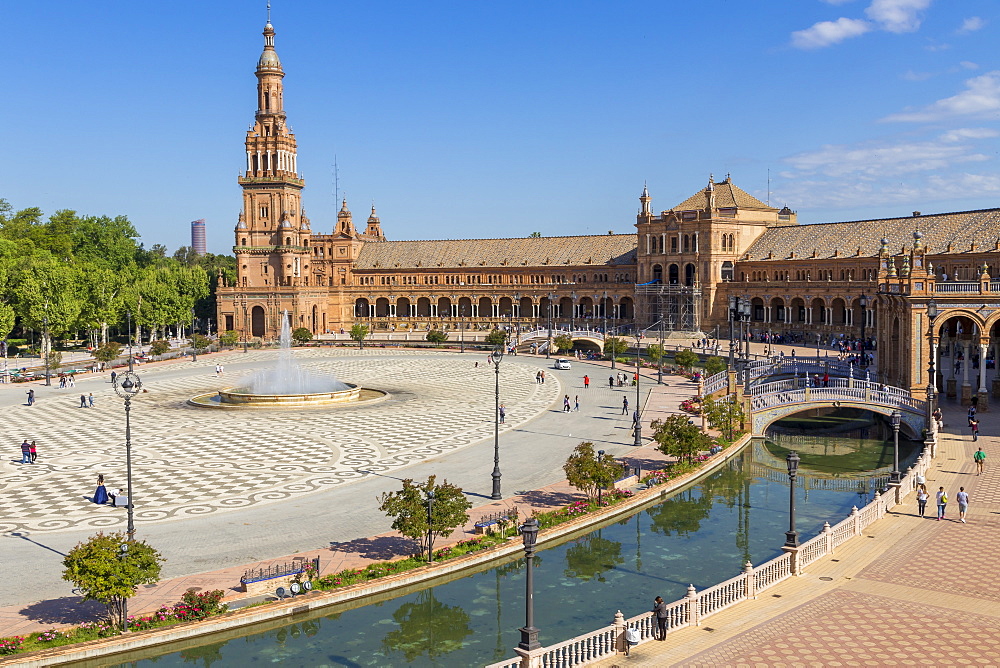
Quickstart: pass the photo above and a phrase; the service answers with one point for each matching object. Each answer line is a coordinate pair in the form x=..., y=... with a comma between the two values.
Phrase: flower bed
x=692, y=406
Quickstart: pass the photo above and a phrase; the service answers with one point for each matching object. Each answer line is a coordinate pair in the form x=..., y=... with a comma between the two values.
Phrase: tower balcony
x=265, y=180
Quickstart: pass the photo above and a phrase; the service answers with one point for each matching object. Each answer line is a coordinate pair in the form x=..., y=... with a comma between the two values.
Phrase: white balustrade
x=722, y=595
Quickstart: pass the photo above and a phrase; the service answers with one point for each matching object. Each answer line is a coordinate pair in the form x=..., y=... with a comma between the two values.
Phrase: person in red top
x=586, y=382
x=826, y=380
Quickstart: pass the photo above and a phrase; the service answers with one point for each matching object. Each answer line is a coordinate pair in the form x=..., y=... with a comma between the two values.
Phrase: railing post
x=829, y=537
x=693, y=616
x=619, y=623
x=530, y=658
x=751, y=581
x=795, y=563
x=857, y=520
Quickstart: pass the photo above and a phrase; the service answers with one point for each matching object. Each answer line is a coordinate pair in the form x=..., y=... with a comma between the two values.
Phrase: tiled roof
x=610, y=249
x=726, y=195
x=937, y=230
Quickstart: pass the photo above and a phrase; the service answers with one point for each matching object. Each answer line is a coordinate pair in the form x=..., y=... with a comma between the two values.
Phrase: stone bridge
x=540, y=337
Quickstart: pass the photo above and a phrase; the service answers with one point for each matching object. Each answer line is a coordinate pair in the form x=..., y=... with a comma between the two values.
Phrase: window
x=673, y=244
x=727, y=271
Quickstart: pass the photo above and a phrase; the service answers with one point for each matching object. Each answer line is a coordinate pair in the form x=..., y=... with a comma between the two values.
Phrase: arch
x=778, y=311
x=658, y=273
x=690, y=275
x=403, y=307
x=586, y=307
x=727, y=271
x=485, y=307
x=506, y=307
x=444, y=307
x=382, y=307
x=818, y=308
x=673, y=273
x=524, y=307
x=840, y=315
x=464, y=307
x=757, y=309
x=626, y=309
x=361, y=308
x=315, y=319
x=565, y=307
x=424, y=307
x=257, y=321
x=798, y=308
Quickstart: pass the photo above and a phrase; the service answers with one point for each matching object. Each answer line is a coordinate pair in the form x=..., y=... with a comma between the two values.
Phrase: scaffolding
x=678, y=306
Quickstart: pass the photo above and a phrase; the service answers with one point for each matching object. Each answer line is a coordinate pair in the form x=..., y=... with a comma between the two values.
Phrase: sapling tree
x=408, y=508
x=589, y=471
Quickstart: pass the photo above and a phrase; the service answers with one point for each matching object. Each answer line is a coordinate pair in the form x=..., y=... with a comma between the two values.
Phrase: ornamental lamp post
x=548, y=344
x=791, y=536
x=745, y=318
x=529, y=634
x=638, y=416
x=495, y=358
x=46, y=346
x=600, y=488
x=126, y=386
x=430, y=526
x=932, y=311
x=128, y=325
x=895, y=418
x=863, y=302
x=733, y=305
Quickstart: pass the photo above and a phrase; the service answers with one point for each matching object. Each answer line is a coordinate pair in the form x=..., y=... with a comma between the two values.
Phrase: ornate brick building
x=681, y=268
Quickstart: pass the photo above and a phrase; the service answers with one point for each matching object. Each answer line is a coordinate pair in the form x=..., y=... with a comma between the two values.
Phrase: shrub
x=158, y=347
x=11, y=645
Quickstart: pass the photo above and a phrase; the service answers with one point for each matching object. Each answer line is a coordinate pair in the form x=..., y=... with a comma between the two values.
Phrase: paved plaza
x=219, y=488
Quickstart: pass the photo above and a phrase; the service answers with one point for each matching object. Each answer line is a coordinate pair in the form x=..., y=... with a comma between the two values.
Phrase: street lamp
x=791, y=536
x=495, y=358
x=430, y=526
x=46, y=346
x=548, y=345
x=637, y=418
x=745, y=318
x=600, y=487
x=895, y=418
x=863, y=302
x=128, y=326
x=246, y=327
x=126, y=386
x=529, y=634
x=733, y=312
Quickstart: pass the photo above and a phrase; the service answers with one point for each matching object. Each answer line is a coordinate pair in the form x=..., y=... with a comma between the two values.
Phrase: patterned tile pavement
x=198, y=461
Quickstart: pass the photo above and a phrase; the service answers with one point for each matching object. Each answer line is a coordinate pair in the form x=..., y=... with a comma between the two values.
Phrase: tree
x=685, y=358
x=655, y=352
x=229, y=338
x=200, y=342
x=714, y=365
x=562, y=342
x=158, y=347
x=677, y=437
x=408, y=508
x=436, y=336
x=615, y=346
x=497, y=337
x=54, y=359
x=725, y=414
x=535, y=235
x=588, y=471
x=358, y=333
x=301, y=335
x=108, y=352
x=102, y=572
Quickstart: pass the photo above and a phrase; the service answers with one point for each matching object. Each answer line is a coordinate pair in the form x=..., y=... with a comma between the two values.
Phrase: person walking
x=543, y=377
x=25, y=452
x=611, y=382
x=980, y=459
x=942, y=500
x=538, y=378
x=576, y=403
x=566, y=404
x=974, y=425
x=963, y=503
x=90, y=400
x=503, y=413
x=69, y=379
x=922, y=497
x=624, y=405
x=34, y=452
x=660, y=608
x=586, y=382
x=114, y=374
x=83, y=401
x=31, y=397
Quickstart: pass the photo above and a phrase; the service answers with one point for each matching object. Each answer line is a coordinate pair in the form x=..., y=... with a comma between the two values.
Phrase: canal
x=702, y=535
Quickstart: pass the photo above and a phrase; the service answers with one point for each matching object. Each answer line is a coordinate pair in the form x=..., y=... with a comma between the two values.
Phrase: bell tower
x=272, y=234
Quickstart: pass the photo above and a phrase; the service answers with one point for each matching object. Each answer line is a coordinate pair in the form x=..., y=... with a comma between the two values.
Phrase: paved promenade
x=911, y=591
x=212, y=547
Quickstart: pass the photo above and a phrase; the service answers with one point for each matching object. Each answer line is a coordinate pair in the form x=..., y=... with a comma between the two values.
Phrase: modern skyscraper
x=198, y=236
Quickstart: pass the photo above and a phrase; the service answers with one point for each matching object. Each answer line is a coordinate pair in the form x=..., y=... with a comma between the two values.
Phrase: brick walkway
x=66, y=611
x=912, y=591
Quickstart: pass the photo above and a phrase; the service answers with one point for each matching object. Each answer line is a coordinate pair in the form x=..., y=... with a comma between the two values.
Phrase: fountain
x=286, y=385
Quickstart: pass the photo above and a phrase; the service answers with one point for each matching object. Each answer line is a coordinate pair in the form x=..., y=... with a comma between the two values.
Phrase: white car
x=562, y=364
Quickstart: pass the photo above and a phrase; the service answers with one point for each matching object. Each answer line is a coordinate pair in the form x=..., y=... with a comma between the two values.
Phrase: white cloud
x=874, y=160
x=910, y=75
x=981, y=98
x=972, y=24
x=837, y=2
x=826, y=33
x=968, y=65
x=897, y=15
x=961, y=134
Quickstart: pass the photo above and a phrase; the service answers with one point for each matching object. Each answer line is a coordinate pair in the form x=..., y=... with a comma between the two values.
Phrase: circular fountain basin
x=232, y=397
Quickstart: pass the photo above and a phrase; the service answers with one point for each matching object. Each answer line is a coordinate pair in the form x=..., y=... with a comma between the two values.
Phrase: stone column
x=983, y=402
x=966, y=363
x=937, y=362
x=951, y=382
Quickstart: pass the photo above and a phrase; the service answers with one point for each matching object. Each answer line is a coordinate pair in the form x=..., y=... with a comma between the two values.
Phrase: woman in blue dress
x=101, y=495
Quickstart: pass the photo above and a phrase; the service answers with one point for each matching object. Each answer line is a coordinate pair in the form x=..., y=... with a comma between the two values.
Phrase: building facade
x=877, y=279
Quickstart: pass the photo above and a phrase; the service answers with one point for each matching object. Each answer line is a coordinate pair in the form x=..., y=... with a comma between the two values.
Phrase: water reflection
x=701, y=536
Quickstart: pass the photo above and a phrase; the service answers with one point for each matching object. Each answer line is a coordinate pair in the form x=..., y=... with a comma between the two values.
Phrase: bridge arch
x=911, y=424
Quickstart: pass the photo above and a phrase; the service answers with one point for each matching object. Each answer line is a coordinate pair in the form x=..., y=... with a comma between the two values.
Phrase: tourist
x=31, y=397
x=90, y=400
x=942, y=501
x=543, y=376
x=566, y=404
x=69, y=379
x=975, y=429
x=980, y=459
x=611, y=382
x=660, y=608
x=939, y=418
x=503, y=413
x=538, y=378
x=922, y=497
x=624, y=405
x=25, y=452
x=963, y=503
x=101, y=495
x=586, y=382
x=114, y=375
x=83, y=401
x=34, y=452
x=576, y=403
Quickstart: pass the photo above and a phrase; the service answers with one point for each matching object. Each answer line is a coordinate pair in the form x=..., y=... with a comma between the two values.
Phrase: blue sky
x=473, y=119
